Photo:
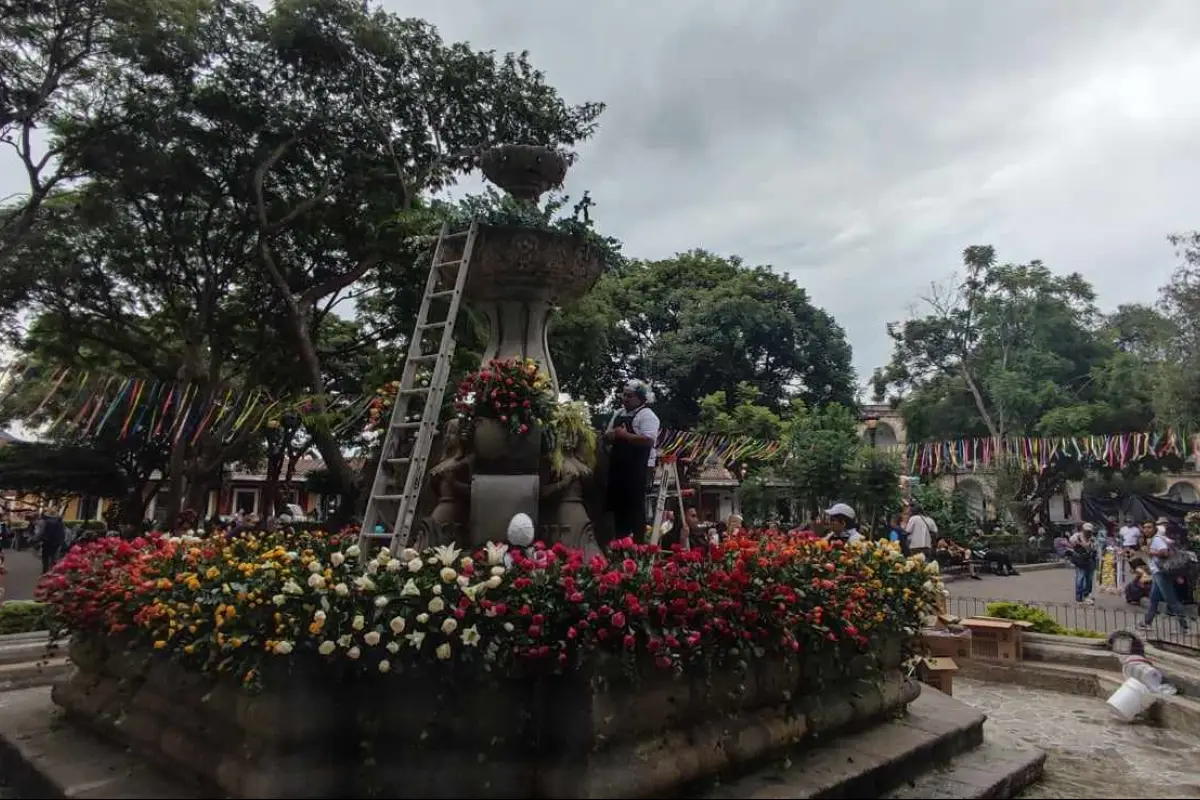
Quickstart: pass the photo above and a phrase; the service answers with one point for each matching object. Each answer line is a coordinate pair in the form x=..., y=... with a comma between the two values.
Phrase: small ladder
x=669, y=488
x=392, y=506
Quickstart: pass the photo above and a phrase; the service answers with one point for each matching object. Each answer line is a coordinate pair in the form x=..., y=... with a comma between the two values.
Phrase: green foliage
x=1041, y=621
x=822, y=458
x=739, y=416
x=22, y=616
x=876, y=488
x=948, y=509
x=61, y=470
x=699, y=323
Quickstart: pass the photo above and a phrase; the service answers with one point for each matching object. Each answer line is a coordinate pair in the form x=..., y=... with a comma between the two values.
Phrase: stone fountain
x=518, y=276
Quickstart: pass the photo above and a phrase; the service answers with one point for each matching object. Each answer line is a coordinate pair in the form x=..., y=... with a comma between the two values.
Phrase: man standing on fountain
x=633, y=433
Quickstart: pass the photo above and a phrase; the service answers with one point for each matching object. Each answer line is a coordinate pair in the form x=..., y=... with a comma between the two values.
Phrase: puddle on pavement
x=1089, y=754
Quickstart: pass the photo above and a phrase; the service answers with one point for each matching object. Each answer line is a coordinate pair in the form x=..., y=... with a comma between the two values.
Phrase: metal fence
x=1080, y=618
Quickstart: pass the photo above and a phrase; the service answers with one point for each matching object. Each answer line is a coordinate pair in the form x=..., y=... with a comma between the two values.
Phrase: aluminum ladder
x=404, y=458
x=669, y=488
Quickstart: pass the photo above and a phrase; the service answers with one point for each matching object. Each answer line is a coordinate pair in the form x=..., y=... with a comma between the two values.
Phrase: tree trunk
x=271, y=503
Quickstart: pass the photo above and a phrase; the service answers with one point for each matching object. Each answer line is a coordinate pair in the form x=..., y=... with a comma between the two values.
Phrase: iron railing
x=1080, y=617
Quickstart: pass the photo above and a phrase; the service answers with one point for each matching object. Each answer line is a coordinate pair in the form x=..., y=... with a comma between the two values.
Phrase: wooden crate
x=938, y=673
x=1022, y=628
x=994, y=639
x=946, y=644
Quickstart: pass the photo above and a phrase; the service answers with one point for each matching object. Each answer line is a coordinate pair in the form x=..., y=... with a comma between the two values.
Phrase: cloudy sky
x=860, y=146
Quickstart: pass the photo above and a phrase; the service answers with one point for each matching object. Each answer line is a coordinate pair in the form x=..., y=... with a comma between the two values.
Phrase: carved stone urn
x=519, y=275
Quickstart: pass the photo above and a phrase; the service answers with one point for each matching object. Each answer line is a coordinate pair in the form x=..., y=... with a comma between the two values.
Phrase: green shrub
x=1041, y=621
x=22, y=616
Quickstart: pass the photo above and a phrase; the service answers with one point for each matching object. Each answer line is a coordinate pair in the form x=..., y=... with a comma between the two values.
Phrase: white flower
x=463, y=580
x=319, y=616
x=372, y=567
x=353, y=551
x=383, y=556
x=498, y=571
x=415, y=638
x=443, y=651
x=393, y=647
x=449, y=626
x=397, y=625
x=344, y=640
x=414, y=565
x=470, y=636
x=364, y=583
x=381, y=601
x=278, y=599
x=372, y=638
x=447, y=554
x=337, y=559
x=508, y=626
x=410, y=589
x=436, y=605
x=932, y=568
x=283, y=648
x=384, y=666
x=495, y=552
x=422, y=618
x=341, y=590
x=394, y=565
x=470, y=591
x=493, y=582
x=359, y=622
x=467, y=561
x=436, y=588
x=314, y=566
x=353, y=653
x=291, y=587
x=316, y=581
x=408, y=554
x=448, y=575
x=919, y=557
x=326, y=647
x=291, y=555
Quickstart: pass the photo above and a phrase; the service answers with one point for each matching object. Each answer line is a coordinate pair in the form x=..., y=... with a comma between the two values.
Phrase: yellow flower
x=160, y=644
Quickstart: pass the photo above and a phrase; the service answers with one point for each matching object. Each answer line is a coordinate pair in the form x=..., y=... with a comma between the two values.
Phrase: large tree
x=1011, y=349
x=699, y=323
x=261, y=165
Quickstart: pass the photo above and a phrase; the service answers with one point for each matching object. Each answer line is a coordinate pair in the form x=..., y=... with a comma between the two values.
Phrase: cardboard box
x=1022, y=627
x=994, y=639
x=938, y=673
x=946, y=643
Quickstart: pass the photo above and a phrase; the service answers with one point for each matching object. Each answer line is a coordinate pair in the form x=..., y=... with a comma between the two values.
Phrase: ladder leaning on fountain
x=392, y=505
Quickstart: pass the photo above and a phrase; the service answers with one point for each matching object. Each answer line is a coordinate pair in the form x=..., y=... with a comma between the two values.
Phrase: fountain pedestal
x=518, y=277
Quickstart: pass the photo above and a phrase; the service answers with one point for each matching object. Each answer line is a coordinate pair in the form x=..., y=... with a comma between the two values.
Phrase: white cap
x=1089, y=527
x=840, y=510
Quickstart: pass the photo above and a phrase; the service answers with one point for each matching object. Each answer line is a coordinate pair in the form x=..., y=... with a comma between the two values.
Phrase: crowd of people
x=1151, y=561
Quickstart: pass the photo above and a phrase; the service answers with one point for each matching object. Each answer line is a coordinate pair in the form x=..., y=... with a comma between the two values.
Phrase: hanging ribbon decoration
x=1115, y=451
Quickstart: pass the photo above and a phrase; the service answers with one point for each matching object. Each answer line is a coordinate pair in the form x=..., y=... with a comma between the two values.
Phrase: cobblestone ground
x=1090, y=754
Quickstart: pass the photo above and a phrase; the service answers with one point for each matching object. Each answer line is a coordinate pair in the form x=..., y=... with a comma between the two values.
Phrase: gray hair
x=642, y=389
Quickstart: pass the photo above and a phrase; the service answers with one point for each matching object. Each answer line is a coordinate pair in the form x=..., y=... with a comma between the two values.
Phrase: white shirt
x=1131, y=535
x=644, y=423
x=921, y=530
x=1160, y=542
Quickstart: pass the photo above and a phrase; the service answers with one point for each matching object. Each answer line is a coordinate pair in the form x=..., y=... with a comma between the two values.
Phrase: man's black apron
x=628, y=476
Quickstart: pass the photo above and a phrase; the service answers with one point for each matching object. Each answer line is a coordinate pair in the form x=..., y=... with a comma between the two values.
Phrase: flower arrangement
x=571, y=434
x=231, y=606
x=379, y=409
x=512, y=391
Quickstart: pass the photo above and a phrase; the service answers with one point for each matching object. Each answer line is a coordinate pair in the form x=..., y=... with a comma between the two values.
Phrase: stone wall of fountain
x=518, y=276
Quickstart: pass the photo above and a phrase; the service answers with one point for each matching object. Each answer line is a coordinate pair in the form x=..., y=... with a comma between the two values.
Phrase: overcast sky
x=860, y=146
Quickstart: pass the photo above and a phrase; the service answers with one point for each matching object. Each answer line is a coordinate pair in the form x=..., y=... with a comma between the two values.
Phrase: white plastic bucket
x=1131, y=699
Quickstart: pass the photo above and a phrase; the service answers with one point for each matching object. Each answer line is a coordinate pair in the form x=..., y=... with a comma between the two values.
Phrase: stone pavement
x=1090, y=754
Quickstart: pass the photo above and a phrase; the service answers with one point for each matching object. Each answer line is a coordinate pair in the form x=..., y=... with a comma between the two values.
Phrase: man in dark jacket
x=54, y=536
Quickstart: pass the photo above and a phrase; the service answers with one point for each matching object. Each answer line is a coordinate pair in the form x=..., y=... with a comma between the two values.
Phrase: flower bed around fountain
x=281, y=666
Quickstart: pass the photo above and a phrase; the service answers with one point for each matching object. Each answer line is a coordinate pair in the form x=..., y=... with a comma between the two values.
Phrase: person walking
x=921, y=531
x=1167, y=562
x=1083, y=556
x=54, y=538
